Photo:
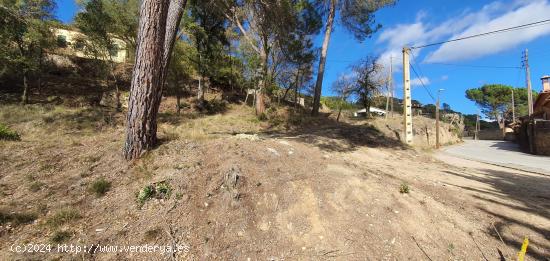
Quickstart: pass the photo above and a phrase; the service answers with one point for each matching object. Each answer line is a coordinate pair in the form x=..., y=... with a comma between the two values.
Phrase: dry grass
x=62, y=217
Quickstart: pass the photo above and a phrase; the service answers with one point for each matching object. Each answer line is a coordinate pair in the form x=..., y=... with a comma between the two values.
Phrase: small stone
x=275, y=152
x=205, y=204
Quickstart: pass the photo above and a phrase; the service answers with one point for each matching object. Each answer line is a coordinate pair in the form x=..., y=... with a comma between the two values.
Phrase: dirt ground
x=324, y=191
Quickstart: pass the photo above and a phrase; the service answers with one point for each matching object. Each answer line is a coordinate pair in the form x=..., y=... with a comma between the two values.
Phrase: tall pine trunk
x=159, y=21
x=147, y=79
x=25, y=95
x=260, y=103
x=323, y=59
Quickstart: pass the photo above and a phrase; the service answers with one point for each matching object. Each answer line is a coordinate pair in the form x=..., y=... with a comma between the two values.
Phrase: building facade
x=73, y=43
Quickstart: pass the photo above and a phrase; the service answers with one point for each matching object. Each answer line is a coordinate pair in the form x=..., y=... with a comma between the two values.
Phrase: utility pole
x=513, y=107
x=389, y=88
x=407, y=107
x=528, y=79
x=437, y=119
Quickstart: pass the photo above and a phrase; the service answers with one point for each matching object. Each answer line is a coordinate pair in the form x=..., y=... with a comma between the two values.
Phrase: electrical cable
x=539, y=23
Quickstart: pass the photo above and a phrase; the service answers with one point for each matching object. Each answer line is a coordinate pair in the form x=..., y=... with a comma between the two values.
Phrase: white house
x=373, y=110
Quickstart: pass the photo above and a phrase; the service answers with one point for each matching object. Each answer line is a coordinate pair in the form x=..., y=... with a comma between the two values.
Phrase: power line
x=419, y=77
x=479, y=66
x=487, y=33
x=422, y=83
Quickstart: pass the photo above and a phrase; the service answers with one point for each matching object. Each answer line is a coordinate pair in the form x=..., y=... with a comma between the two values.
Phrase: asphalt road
x=502, y=153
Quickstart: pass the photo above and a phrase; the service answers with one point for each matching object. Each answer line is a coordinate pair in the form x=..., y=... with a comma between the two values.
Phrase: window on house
x=61, y=41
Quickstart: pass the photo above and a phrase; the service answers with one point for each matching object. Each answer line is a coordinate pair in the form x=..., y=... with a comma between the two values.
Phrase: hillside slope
x=319, y=191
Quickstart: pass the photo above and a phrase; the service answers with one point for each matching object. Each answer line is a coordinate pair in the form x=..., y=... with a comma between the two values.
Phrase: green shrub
x=145, y=194
x=158, y=190
x=100, y=187
x=404, y=188
x=7, y=134
x=63, y=216
x=163, y=190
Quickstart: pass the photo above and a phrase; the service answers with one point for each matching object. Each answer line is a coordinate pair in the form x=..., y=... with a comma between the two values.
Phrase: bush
x=404, y=188
x=100, y=187
x=7, y=134
x=145, y=194
x=158, y=190
x=63, y=216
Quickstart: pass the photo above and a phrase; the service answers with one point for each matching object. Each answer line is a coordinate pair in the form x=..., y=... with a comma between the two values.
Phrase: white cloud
x=492, y=16
x=420, y=81
x=482, y=46
x=445, y=77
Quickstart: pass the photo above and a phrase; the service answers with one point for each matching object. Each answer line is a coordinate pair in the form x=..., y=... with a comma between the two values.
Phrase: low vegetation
x=160, y=190
x=8, y=134
x=62, y=217
x=60, y=236
x=404, y=188
x=100, y=186
x=16, y=218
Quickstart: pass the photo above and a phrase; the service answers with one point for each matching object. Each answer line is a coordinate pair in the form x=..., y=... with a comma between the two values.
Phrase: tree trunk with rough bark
x=147, y=77
x=323, y=59
x=159, y=22
x=25, y=95
x=260, y=103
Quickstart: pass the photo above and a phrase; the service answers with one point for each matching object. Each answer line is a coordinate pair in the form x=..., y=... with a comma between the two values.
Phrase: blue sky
x=426, y=21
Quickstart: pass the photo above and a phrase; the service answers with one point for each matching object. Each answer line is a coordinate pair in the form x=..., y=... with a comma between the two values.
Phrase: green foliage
x=8, y=134
x=145, y=194
x=100, y=187
x=161, y=190
x=495, y=100
x=24, y=35
x=335, y=103
x=358, y=16
x=404, y=188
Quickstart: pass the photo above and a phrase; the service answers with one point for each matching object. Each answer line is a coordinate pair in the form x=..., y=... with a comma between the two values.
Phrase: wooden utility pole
x=437, y=120
x=407, y=106
x=528, y=79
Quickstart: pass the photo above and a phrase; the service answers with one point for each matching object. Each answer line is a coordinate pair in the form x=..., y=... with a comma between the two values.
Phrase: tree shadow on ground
x=531, y=192
x=329, y=135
